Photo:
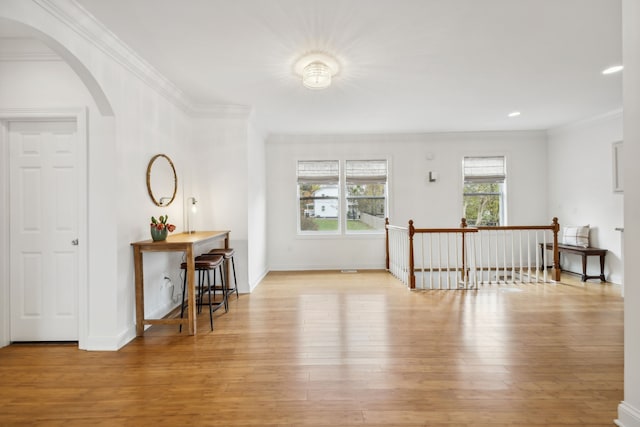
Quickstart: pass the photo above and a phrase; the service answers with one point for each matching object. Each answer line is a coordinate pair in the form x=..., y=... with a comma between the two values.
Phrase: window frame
x=500, y=178
x=342, y=198
x=372, y=179
x=320, y=181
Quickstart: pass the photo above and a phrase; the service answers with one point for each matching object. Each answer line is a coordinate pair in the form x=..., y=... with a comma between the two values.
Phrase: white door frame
x=80, y=116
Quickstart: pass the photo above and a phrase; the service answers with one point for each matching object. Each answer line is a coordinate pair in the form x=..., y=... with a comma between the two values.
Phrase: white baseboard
x=322, y=267
x=628, y=416
x=255, y=284
x=114, y=343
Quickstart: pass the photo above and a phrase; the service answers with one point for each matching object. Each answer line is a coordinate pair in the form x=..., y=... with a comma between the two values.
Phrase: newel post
x=412, y=275
x=556, y=254
x=386, y=232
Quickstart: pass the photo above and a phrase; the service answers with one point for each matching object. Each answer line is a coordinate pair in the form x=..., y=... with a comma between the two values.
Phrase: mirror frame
x=175, y=180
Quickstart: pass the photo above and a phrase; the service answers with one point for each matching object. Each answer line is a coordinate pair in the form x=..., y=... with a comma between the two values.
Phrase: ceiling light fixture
x=612, y=70
x=514, y=114
x=316, y=70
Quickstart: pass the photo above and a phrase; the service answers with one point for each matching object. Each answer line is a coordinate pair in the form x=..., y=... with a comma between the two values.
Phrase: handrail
x=462, y=230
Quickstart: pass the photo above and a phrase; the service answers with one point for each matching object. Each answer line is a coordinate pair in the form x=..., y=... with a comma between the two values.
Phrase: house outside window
x=484, y=181
x=352, y=202
x=366, y=195
x=319, y=196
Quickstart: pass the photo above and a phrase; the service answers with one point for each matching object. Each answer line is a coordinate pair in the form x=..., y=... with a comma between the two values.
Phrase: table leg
x=584, y=267
x=191, y=301
x=137, y=263
x=226, y=264
x=602, y=279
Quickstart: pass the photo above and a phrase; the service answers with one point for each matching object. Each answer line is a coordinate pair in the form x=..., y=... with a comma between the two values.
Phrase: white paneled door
x=44, y=230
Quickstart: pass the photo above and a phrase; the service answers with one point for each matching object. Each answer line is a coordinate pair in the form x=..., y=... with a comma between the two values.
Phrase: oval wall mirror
x=162, y=181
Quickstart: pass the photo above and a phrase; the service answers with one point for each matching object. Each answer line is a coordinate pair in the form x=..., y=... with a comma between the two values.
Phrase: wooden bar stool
x=204, y=267
x=228, y=255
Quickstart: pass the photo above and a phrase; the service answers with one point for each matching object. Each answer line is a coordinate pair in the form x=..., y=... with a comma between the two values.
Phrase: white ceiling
x=407, y=65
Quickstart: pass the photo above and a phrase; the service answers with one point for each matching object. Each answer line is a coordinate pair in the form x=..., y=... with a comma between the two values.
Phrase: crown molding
x=29, y=57
x=24, y=49
x=86, y=25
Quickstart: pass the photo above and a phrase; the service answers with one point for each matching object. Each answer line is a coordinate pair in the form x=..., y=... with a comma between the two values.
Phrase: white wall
x=135, y=113
x=144, y=123
x=220, y=162
x=437, y=204
x=257, y=208
x=581, y=188
x=629, y=409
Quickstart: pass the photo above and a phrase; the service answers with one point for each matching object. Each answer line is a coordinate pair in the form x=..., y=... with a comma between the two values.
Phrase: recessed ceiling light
x=612, y=70
x=513, y=114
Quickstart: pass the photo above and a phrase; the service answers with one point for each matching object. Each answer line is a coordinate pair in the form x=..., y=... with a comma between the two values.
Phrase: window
x=329, y=201
x=484, y=190
x=366, y=193
x=319, y=196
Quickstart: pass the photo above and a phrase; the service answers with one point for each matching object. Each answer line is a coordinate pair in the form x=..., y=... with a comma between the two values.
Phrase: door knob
x=74, y=242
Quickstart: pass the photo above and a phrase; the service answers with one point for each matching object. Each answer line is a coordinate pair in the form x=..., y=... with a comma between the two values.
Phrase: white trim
x=325, y=267
x=260, y=278
x=80, y=116
x=628, y=416
x=77, y=18
x=617, y=154
x=5, y=332
x=29, y=57
x=108, y=343
x=368, y=138
x=28, y=51
x=86, y=25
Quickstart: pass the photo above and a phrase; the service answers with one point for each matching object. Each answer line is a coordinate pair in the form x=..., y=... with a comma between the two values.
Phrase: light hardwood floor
x=335, y=349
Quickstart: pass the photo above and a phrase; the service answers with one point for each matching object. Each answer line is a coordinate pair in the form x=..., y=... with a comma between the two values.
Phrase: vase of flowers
x=160, y=228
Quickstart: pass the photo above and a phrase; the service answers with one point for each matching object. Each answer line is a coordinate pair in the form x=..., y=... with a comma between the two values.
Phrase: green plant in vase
x=160, y=228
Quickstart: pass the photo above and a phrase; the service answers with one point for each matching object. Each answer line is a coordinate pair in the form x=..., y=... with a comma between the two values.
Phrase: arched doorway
x=54, y=109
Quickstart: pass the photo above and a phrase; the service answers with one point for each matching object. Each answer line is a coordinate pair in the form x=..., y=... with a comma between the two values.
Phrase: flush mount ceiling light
x=316, y=70
x=612, y=70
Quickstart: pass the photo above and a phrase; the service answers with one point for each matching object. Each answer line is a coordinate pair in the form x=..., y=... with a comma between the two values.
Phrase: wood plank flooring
x=335, y=349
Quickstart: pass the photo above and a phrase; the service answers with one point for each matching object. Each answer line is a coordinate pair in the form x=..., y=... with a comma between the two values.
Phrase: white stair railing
x=465, y=257
x=398, y=252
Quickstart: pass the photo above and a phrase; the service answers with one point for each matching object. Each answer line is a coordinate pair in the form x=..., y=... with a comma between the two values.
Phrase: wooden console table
x=584, y=253
x=182, y=242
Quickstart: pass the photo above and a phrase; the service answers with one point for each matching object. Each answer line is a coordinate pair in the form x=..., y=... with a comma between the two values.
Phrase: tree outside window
x=318, y=196
x=484, y=189
x=366, y=190
x=329, y=202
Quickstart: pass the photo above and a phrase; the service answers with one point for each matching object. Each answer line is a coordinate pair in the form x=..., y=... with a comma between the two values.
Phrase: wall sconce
x=433, y=176
x=191, y=211
x=164, y=201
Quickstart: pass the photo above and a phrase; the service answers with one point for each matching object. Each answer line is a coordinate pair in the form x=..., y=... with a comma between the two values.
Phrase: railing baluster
x=430, y=261
x=513, y=260
x=537, y=259
x=529, y=256
x=457, y=261
x=480, y=238
x=439, y=262
x=422, y=257
x=472, y=260
x=544, y=248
